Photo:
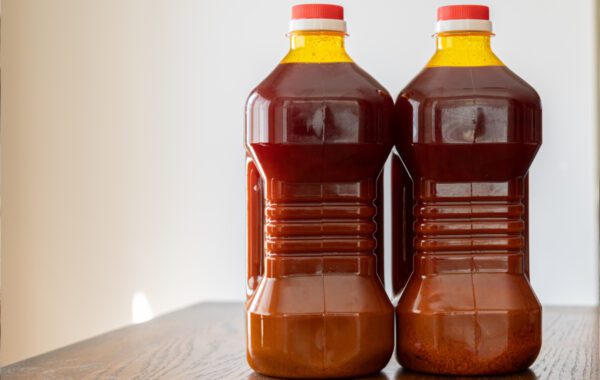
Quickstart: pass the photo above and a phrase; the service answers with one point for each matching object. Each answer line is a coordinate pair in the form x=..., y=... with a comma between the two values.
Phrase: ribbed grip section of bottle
x=470, y=226
x=473, y=233
x=331, y=218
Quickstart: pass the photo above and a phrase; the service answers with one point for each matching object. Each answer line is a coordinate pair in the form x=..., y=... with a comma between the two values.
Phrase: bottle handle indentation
x=254, y=227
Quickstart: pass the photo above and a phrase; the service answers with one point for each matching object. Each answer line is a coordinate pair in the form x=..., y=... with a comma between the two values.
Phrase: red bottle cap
x=318, y=17
x=463, y=12
x=463, y=18
x=328, y=11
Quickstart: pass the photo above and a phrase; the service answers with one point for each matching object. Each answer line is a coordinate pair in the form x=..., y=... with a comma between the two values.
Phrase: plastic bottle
x=469, y=129
x=318, y=131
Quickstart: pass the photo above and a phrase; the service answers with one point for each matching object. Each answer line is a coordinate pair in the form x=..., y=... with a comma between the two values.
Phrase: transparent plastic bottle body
x=402, y=224
x=317, y=137
x=467, y=135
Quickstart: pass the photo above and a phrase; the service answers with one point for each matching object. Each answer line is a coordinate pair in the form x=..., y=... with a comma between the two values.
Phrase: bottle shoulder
x=434, y=83
x=320, y=81
x=319, y=104
x=468, y=105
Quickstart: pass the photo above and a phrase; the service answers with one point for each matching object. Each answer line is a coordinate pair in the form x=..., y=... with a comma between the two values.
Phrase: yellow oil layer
x=316, y=47
x=464, y=49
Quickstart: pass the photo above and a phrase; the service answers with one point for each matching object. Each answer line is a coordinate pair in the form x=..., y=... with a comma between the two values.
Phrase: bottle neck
x=316, y=47
x=464, y=49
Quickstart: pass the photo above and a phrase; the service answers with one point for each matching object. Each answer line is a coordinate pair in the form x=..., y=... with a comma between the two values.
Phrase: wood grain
x=207, y=341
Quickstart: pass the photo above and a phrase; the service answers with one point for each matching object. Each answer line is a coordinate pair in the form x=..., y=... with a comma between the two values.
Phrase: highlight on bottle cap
x=463, y=18
x=318, y=17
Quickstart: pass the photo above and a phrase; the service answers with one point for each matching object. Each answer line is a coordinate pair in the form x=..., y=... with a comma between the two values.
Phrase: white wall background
x=122, y=177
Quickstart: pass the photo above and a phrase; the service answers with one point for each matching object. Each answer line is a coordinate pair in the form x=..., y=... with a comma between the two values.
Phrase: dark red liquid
x=317, y=138
x=467, y=136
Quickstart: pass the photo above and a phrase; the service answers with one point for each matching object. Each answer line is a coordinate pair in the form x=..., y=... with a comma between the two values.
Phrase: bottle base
x=320, y=346
x=314, y=375
x=481, y=343
x=455, y=367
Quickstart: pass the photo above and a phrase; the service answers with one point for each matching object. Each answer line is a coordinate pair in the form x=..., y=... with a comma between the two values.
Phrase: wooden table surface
x=206, y=341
